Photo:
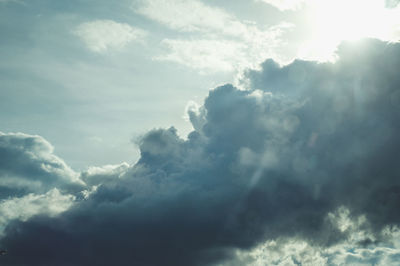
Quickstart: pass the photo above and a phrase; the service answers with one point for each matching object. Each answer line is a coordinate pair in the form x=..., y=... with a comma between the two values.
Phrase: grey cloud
x=271, y=162
x=353, y=110
x=28, y=165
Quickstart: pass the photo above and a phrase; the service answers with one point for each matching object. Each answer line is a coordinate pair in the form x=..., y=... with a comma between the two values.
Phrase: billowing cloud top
x=306, y=154
x=28, y=165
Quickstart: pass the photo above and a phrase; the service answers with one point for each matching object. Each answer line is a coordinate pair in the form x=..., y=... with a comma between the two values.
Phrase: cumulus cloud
x=301, y=167
x=297, y=252
x=96, y=175
x=33, y=181
x=102, y=35
x=28, y=165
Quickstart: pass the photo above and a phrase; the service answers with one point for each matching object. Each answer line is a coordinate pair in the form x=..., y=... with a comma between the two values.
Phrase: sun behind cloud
x=333, y=21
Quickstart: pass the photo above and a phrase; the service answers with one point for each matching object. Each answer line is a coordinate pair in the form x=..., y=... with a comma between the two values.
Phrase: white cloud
x=358, y=19
x=205, y=54
x=102, y=35
x=298, y=252
x=284, y=4
x=391, y=3
x=109, y=169
x=218, y=41
x=50, y=203
x=190, y=15
x=96, y=175
x=222, y=54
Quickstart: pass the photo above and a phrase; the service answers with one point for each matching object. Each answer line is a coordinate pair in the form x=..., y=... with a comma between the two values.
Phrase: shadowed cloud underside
x=307, y=152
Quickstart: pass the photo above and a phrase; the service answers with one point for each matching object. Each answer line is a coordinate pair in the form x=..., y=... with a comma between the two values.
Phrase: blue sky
x=276, y=121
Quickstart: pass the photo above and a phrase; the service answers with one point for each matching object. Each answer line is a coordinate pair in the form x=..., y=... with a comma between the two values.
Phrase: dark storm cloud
x=351, y=120
x=28, y=165
x=266, y=163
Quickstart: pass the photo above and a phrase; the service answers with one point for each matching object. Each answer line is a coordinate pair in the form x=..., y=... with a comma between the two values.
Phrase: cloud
x=297, y=252
x=284, y=5
x=33, y=181
x=218, y=40
x=103, y=35
x=391, y=3
x=25, y=207
x=352, y=104
x=305, y=157
x=180, y=15
x=96, y=175
x=214, y=54
x=205, y=55
x=360, y=247
x=28, y=165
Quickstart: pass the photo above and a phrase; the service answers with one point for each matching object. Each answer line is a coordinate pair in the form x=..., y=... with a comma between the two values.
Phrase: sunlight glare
x=333, y=21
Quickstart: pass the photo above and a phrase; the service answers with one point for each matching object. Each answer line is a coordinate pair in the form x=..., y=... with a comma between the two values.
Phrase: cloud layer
x=307, y=153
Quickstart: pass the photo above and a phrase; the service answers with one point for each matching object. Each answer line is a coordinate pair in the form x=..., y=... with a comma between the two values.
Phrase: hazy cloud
x=207, y=55
x=190, y=16
x=284, y=4
x=392, y=3
x=102, y=35
x=220, y=41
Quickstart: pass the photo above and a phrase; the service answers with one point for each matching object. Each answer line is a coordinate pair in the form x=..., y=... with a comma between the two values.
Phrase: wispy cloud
x=102, y=35
x=391, y=3
x=190, y=16
x=284, y=4
x=214, y=39
x=205, y=54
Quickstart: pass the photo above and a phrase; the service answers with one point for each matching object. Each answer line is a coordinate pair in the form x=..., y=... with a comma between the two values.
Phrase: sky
x=199, y=132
